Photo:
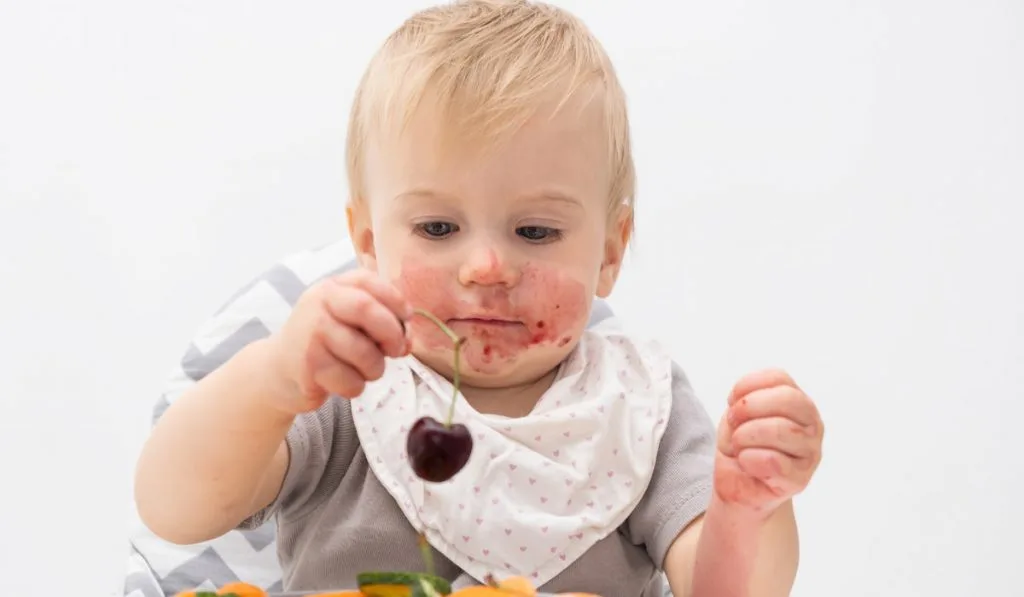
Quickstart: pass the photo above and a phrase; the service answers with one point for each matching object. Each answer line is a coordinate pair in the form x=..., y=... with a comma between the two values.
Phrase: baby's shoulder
x=610, y=336
x=608, y=345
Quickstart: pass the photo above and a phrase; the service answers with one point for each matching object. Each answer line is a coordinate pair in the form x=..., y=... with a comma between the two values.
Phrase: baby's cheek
x=554, y=306
x=426, y=287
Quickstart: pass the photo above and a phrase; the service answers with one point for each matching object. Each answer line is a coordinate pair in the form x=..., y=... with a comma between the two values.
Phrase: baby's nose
x=486, y=266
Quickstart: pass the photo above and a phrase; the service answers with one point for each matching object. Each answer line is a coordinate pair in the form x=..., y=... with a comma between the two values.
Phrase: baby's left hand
x=769, y=443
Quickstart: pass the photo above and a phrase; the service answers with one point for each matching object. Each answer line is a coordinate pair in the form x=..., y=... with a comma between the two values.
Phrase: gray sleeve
x=680, y=490
x=321, y=446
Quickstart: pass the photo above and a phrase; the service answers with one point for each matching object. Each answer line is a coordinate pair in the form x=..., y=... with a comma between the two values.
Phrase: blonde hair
x=489, y=64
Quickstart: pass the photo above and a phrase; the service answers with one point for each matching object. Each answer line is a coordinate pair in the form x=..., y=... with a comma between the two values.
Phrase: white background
x=833, y=187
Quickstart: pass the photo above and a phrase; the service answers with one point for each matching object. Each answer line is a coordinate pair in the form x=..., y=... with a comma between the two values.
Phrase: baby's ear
x=620, y=228
x=360, y=230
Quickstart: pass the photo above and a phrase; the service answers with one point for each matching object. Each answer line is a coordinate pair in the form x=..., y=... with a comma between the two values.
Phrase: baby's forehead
x=554, y=152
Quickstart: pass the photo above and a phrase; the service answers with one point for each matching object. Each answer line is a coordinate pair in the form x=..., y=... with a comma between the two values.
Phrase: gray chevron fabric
x=157, y=568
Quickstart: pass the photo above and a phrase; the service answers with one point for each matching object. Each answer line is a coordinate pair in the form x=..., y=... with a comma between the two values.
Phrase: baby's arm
x=746, y=544
x=217, y=455
x=737, y=558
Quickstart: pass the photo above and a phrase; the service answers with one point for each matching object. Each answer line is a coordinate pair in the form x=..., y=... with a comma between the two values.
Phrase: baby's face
x=509, y=246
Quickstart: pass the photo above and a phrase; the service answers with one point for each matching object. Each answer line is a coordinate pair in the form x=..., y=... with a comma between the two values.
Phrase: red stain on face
x=544, y=308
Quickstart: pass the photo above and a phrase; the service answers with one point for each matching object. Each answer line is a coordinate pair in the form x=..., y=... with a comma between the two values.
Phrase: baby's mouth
x=491, y=322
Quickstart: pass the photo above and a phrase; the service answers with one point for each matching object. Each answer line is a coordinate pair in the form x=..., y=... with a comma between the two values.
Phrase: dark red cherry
x=437, y=452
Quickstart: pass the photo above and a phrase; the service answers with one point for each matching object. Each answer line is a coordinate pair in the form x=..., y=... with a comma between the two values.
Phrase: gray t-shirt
x=335, y=519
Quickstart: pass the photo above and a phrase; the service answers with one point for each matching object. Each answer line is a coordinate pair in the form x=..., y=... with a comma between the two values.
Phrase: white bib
x=540, y=490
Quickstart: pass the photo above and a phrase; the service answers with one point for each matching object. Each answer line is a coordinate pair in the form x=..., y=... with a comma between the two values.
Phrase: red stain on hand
x=544, y=307
x=733, y=486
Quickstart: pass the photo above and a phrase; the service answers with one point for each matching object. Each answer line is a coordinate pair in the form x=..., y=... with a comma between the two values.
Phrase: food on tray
x=238, y=589
x=399, y=584
x=402, y=584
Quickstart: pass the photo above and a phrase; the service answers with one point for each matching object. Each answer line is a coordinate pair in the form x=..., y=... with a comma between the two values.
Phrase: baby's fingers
x=357, y=308
x=785, y=476
x=759, y=380
x=355, y=349
x=777, y=401
x=385, y=292
x=335, y=377
x=775, y=433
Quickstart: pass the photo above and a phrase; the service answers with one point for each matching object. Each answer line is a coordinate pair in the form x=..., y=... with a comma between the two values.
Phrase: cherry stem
x=428, y=556
x=457, y=343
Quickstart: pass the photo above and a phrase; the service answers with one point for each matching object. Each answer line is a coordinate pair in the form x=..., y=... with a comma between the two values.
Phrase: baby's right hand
x=336, y=339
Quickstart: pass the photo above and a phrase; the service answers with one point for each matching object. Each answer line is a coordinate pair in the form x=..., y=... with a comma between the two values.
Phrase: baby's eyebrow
x=551, y=195
x=543, y=196
x=422, y=193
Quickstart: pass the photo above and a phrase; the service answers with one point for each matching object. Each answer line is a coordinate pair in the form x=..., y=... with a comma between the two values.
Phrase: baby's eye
x=436, y=229
x=538, y=233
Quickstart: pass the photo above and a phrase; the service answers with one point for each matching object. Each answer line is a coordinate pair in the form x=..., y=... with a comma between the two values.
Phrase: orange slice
x=242, y=590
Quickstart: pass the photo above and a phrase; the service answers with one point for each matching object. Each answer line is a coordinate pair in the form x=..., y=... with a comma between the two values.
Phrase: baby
x=492, y=186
